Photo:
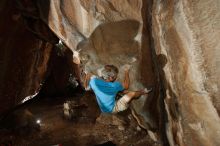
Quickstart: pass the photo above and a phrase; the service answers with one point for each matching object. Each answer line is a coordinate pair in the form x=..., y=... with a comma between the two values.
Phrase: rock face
x=184, y=49
x=23, y=58
x=107, y=32
x=170, y=45
x=186, y=36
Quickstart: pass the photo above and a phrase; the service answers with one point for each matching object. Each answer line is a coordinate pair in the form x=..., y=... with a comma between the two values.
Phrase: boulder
x=108, y=32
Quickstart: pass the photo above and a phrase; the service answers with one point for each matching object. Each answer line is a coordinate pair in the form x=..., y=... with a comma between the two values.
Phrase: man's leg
x=123, y=103
x=134, y=95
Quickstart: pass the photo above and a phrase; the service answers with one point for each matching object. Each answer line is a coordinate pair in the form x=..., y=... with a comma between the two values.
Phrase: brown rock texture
x=108, y=32
x=186, y=37
x=170, y=45
x=185, y=40
x=23, y=58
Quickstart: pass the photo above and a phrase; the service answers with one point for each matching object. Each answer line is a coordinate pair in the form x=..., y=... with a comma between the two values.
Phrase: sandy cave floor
x=88, y=128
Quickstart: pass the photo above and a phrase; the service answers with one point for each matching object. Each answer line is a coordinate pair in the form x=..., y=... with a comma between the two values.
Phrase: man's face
x=112, y=79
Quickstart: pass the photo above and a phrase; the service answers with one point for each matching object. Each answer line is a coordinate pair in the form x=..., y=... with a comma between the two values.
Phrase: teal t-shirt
x=105, y=93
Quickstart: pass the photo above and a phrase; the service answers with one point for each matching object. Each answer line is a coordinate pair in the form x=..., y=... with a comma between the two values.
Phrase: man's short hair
x=109, y=71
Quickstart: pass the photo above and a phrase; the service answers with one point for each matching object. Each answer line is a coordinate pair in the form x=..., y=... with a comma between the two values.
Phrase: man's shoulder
x=117, y=83
x=96, y=79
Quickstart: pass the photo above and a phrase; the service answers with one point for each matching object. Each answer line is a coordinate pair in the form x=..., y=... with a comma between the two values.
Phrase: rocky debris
x=55, y=129
x=109, y=143
x=22, y=122
x=73, y=110
x=112, y=119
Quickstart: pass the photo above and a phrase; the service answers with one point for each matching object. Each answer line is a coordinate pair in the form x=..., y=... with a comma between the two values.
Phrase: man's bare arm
x=126, y=82
x=86, y=80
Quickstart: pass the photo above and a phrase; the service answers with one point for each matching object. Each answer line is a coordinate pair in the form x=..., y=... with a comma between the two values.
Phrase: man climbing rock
x=106, y=88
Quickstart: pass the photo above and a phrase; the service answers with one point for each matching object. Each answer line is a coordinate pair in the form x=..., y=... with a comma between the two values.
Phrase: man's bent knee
x=121, y=104
x=130, y=94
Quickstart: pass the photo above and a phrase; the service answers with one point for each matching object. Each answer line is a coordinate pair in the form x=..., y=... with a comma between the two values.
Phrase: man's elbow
x=126, y=87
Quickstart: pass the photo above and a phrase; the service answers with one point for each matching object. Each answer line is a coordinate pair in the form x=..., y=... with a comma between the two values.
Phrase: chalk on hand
x=147, y=90
x=126, y=67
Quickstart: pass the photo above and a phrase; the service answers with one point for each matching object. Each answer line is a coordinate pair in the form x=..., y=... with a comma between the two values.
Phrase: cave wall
x=23, y=57
x=184, y=49
x=108, y=32
x=186, y=37
x=170, y=45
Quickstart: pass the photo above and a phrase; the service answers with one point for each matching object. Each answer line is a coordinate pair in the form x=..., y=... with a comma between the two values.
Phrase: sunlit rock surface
x=186, y=36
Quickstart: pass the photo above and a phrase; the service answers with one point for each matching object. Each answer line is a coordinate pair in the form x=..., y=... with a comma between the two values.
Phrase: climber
x=106, y=89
